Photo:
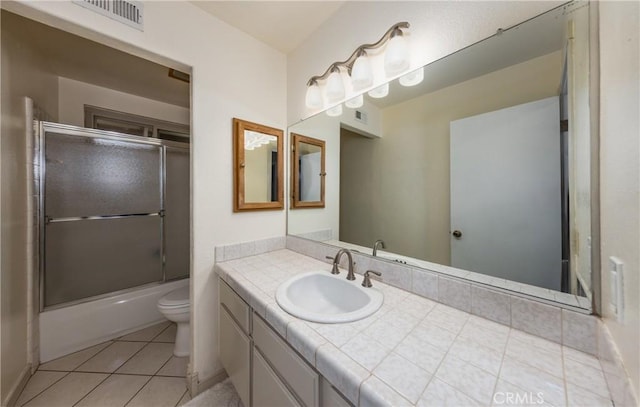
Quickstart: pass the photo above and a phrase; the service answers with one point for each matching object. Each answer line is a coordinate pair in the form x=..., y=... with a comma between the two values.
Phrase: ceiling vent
x=128, y=12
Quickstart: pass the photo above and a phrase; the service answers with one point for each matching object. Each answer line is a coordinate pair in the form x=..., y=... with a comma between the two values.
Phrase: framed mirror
x=307, y=172
x=482, y=171
x=258, y=167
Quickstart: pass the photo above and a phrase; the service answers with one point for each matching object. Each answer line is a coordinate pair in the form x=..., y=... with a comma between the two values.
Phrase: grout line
x=139, y=390
x=160, y=333
x=45, y=389
x=94, y=387
x=181, y=397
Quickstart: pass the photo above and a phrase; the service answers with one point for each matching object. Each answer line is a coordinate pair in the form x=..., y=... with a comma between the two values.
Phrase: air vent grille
x=129, y=12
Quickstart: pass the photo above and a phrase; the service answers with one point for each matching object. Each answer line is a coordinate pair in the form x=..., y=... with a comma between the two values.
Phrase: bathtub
x=70, y=329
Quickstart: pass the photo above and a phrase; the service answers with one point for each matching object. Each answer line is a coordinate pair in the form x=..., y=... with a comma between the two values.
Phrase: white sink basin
x=319, y=296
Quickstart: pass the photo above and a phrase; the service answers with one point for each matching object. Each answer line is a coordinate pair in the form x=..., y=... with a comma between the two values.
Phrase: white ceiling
x=283, y=25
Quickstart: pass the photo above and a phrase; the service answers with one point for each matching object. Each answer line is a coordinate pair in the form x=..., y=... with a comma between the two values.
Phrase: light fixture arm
x=348, y=64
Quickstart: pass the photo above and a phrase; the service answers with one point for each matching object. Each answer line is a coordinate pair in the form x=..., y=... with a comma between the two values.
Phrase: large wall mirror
x=257, y=167
x=482, y=171
x=307, y=172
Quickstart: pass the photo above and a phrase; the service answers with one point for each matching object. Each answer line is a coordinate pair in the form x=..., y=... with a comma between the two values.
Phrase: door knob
x=457, y=234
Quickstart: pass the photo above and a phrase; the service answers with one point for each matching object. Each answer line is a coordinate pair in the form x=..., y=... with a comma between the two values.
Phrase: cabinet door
x=330, y=397
x=235, y=353
x=268, y=390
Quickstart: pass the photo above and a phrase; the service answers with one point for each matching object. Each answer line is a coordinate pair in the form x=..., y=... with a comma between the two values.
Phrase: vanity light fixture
x=412, y=78
x=313, y=99
x=335, y=111
x=358, y=67
x=379, y=92
x=355, y=102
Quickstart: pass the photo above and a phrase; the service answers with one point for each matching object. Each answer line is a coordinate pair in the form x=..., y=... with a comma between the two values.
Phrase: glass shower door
x=102, y=215
x=177, y=209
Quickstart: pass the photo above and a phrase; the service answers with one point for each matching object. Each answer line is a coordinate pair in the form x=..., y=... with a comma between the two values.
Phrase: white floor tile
x=68, y=391
x=116, y=391
x=168, y=335
x=160, y=392
x=111, y=358
x=39, y=382
x=185, y=399
x=176, y=367
x=72, y=361
x=146, y=334
x=149, y=360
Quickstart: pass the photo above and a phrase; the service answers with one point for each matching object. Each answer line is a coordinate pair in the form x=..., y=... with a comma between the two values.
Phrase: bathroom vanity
x=412, y=351
x=264, y=369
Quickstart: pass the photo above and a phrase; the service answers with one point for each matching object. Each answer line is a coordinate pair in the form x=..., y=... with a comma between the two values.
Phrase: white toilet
x=175, y=306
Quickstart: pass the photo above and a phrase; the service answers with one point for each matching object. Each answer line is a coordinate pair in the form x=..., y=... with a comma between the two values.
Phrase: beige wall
x=23, y=74
x=73, y=95
x=402, y=179
x=233, y=75
x=620, y=170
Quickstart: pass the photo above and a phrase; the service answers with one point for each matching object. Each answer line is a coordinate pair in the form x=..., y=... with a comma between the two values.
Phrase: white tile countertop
x=414, y=351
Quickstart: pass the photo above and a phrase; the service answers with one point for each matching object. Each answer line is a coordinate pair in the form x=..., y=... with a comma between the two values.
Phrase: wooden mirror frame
x=239, y=204
x=296, y=203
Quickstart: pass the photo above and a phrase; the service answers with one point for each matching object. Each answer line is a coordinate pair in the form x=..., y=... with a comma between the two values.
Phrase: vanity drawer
x=235, y=354
x=300, y=377
x=268, y=390
x=331, y=397
x=236, y=306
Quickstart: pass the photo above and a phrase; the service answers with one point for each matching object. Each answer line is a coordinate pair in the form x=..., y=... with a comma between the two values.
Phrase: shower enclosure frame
x=39, y=186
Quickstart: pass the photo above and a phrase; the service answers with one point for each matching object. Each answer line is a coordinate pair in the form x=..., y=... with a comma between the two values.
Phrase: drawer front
x=236, y=306
x=268, y=390
x=235, y=353
x=300, y=377
x=331, y=397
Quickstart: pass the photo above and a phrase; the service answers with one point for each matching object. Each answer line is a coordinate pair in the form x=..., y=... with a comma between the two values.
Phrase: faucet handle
x=366, y=281
x=334, y=269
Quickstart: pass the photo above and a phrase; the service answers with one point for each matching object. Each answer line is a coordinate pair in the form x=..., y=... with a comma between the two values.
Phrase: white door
x=505, y=193
x=310, y=177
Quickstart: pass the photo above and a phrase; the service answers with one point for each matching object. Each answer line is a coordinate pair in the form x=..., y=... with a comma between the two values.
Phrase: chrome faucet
x=336, y=261
x=375, y=246
x=366, y=281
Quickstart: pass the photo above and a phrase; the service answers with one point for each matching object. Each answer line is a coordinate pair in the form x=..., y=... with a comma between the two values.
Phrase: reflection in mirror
x=482, y=171
x=307, y=172
x=258, y=166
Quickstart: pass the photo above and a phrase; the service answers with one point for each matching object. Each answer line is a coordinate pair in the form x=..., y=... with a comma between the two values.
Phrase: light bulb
x=335, y=111
x=361, y=74
x=335, y=86
x=412, y=78
x=396, y=56
x=380, y=91
x=355, y=102
x=313, y=99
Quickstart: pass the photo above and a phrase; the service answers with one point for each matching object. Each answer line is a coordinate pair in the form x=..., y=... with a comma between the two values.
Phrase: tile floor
x=135, y=370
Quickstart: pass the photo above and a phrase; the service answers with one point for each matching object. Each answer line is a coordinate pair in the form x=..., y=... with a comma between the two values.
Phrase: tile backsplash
x=512, y=309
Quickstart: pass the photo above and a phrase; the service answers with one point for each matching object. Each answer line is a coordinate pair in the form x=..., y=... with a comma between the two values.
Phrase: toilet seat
x=175, y=299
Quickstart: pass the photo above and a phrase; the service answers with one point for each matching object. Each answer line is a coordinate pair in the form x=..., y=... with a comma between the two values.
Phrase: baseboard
x=17, y=388
x=198, y=386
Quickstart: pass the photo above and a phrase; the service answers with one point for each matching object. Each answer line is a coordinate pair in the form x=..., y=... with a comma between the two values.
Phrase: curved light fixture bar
x=395, y=30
